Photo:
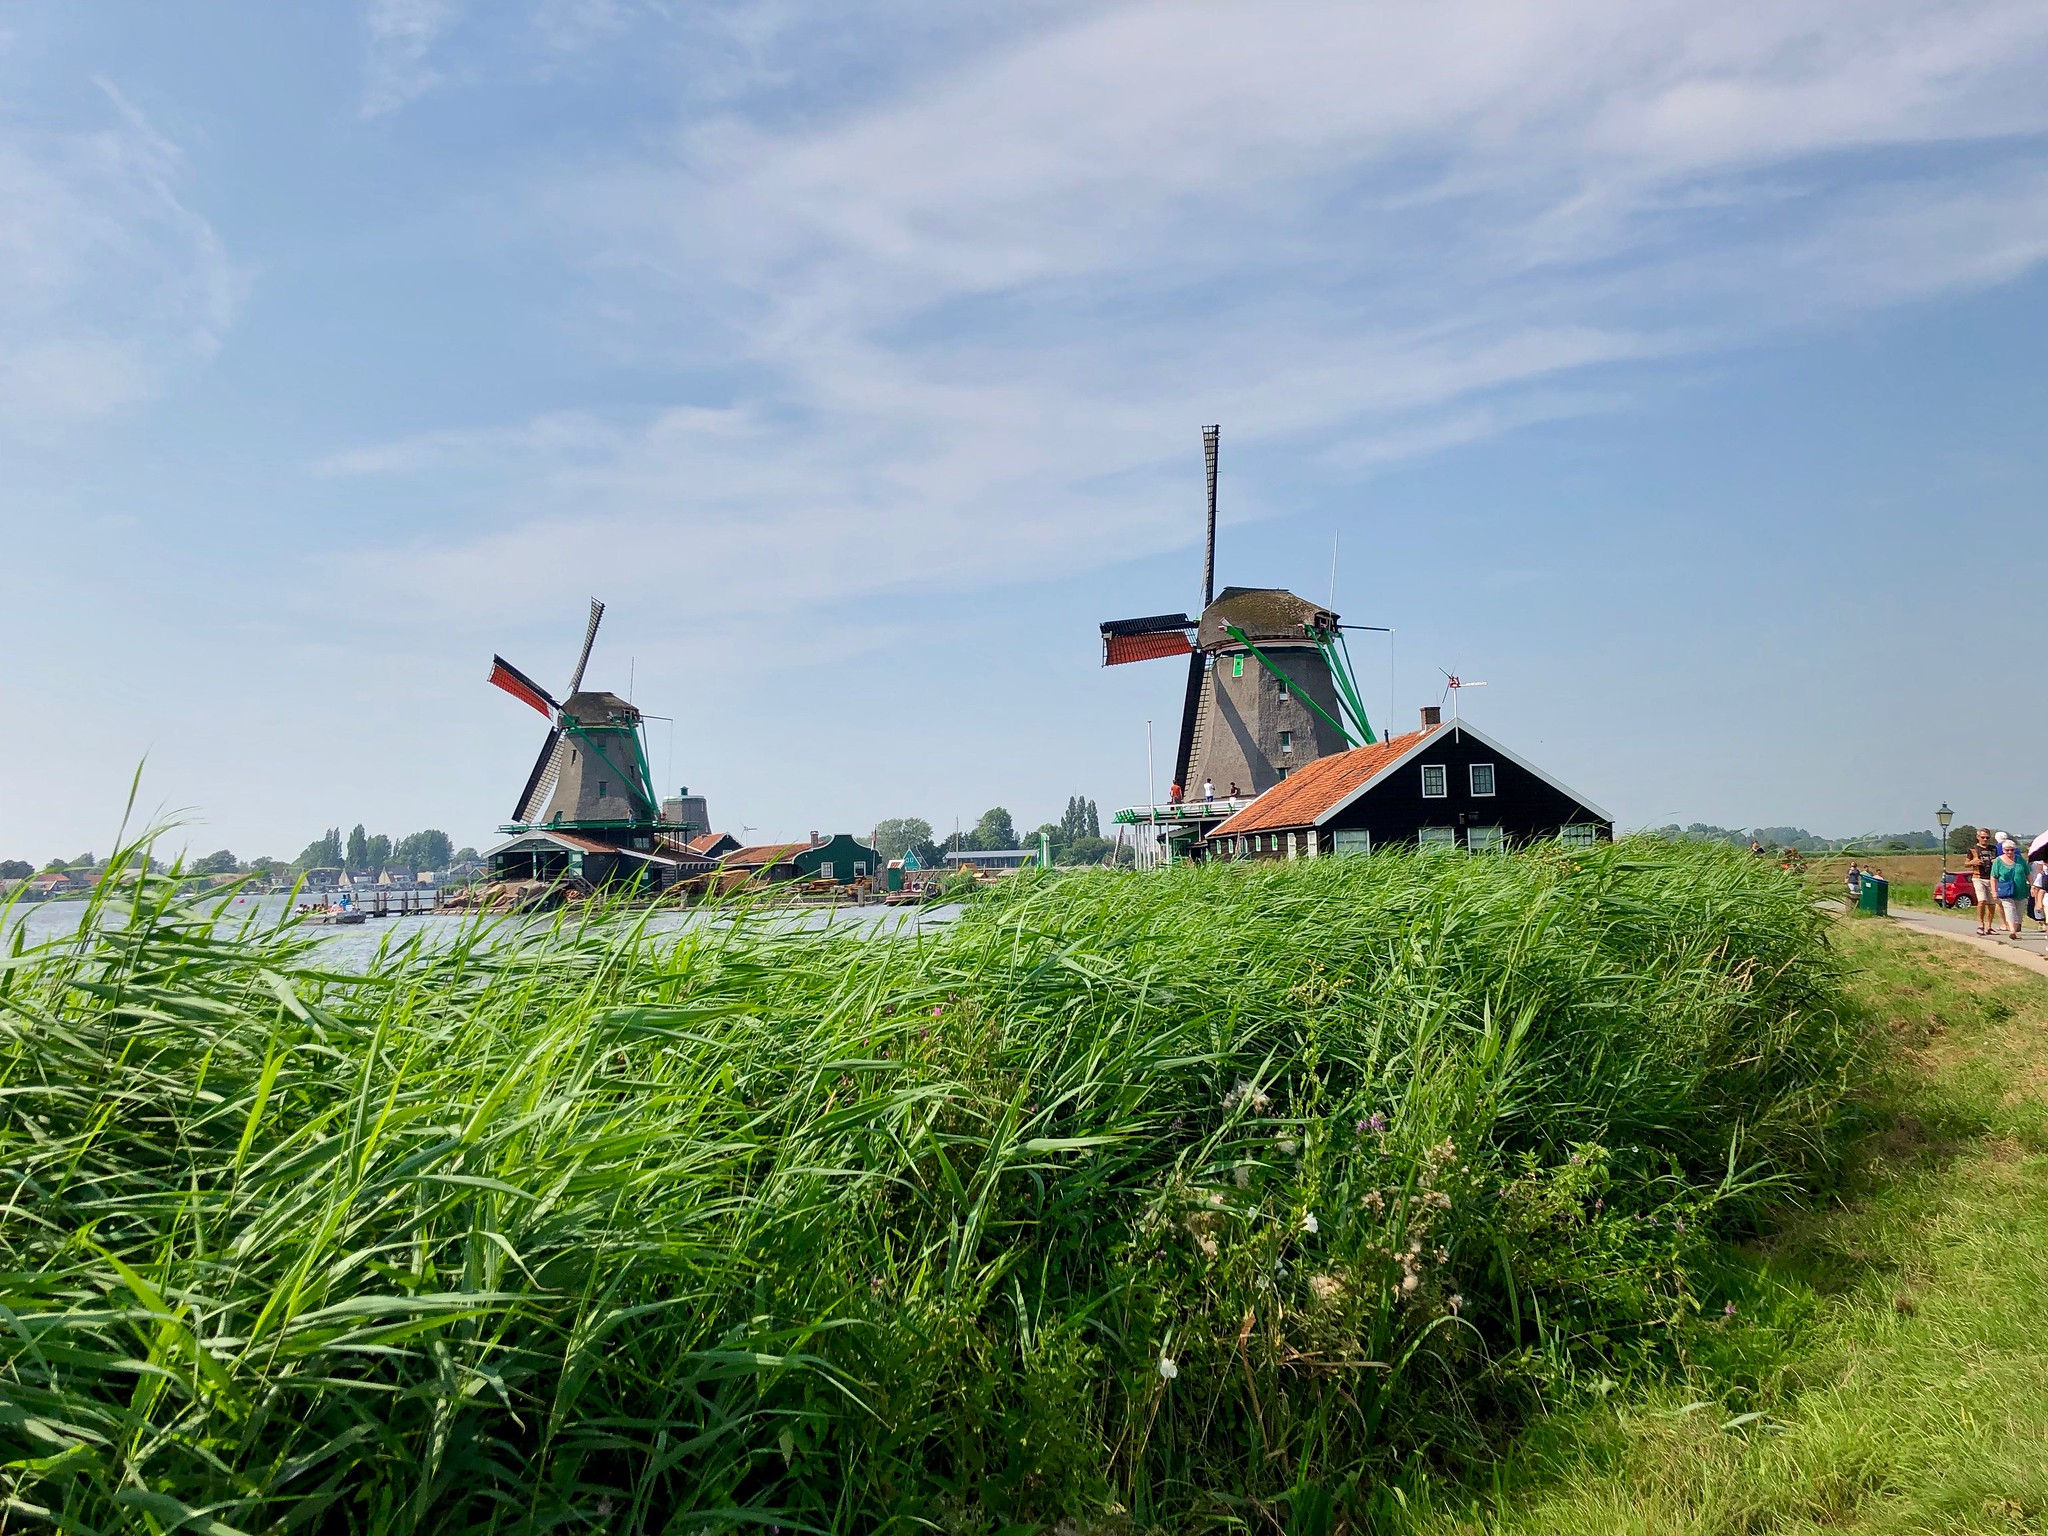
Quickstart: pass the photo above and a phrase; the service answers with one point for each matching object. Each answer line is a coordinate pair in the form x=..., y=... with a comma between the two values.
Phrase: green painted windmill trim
x=1267, y=662
x=1347, y=684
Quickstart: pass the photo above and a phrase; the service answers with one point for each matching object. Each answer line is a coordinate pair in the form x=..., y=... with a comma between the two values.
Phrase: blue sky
x=1676, y=370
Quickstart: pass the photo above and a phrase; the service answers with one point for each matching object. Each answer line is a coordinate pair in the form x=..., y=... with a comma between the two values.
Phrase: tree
x=428, y=850
x=16, y=869
x=1089, y=850
x=377, y=852
x=1960, y=837
x=899, y=834
x=994, y=830
x=467, y=856
x=218, y=863
x=322, y=853
x=358, y=848
x=265, y=865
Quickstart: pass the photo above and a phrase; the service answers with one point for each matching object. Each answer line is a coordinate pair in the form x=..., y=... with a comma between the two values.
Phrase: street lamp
x=1944, y=816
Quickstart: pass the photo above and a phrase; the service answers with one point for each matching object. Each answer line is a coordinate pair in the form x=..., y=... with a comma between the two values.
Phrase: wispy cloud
x=402, y=35
x=967, y=324
x=110, y=284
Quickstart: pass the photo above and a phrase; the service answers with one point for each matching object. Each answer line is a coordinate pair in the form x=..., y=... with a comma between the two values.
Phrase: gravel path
x=2030, y=953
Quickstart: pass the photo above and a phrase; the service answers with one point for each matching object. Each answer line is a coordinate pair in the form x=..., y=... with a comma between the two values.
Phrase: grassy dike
x=1271, y=1198
x=1887, y=1368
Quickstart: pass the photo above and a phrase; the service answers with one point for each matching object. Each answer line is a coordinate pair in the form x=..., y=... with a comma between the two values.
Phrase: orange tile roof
x=765, y=853
x=1305, y=794
x=704, y=842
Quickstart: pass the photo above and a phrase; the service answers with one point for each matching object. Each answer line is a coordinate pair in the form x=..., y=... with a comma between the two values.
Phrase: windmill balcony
x=1182, y=811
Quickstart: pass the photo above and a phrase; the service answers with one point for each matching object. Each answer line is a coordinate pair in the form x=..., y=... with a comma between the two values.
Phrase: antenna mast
x=1210, y=435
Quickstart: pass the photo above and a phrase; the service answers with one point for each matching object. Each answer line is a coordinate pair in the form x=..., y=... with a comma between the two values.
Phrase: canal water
x=355, y=947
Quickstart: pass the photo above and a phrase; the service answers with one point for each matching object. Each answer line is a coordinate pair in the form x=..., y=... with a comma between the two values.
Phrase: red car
x=1954, y=890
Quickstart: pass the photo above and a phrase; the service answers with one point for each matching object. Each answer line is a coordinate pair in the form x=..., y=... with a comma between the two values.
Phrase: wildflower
x=1729, y=1310
x=1215, y=1200
x=1599, y=1205
x=1167, y=1369
x=1310, y=1224
x=1374, y=1122
x=1287, y=1145
x=1207, y=1244
x=1374, y=1201
x=1443, y=1255
x=1325, y=1288
x=1455, y=1303
x=1409, y=1282
x=937, y=1009
x=604, y=1507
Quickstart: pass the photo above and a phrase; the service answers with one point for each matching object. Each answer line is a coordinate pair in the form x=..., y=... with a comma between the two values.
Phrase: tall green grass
x=1241, y=1197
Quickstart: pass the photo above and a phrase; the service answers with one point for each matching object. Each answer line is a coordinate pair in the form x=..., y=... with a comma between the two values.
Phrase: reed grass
x=1233, y=1198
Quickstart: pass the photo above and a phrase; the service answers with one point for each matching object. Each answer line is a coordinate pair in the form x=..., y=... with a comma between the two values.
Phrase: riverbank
x=1885, y=1370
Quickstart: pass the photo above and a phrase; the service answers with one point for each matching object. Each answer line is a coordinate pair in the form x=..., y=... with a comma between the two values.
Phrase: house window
x=1290, y=845
x=1272, y=842
x=1436, y=782
x=1485, y=840
x=1287, y=741
x=1283, y=686
x=860, y=867
x=1237, y=666
x=1482, y=780
x=1579, y=835
x=824, y=871
x=1429, y=839
x=603, y=789
x=1353, y=840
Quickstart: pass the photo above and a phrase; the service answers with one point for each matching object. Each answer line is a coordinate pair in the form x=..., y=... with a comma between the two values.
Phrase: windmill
x=1269, y=684
x=592, y=769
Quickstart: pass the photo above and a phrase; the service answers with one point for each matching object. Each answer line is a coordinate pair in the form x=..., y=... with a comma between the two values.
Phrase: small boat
x=333, y=916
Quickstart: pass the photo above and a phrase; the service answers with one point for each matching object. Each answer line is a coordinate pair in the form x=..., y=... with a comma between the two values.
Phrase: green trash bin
x=1877, y=896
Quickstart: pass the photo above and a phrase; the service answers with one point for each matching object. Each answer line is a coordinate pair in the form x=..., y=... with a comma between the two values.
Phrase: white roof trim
x=1459, y=726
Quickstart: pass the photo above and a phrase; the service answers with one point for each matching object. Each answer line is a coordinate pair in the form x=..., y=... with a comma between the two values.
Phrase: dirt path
x=2030, y=953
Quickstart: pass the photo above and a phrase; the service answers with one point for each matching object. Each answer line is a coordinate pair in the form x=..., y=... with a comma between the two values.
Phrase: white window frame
x=1348, y=841
x=1428, y=838
x=1492, y=780
x=1287, y=743
x=1578, y=834
x=860, y=867
x=825, y=871
x=1498, y=843
x=1443, y=781
x=1286, y=692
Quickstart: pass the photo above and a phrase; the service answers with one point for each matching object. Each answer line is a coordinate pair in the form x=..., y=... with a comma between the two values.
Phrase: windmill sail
x=1163, y=634
x=540, y=783
x=523, y=688
x=589, y=638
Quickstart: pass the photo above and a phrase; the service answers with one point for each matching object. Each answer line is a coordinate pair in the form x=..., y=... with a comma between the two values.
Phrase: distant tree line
x=1802, y=841
x=1076, y=838
x=365, y=852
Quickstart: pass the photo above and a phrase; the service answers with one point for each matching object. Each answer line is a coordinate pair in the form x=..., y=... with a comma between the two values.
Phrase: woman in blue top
x=2009, y=879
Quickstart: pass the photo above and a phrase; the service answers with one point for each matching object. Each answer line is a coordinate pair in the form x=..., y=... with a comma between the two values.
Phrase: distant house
x=1443, y=786
x=713, y=845
x=993, y=860
x=841, y=858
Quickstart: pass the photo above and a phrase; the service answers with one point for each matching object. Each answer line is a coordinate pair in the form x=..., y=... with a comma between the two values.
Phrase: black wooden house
x=1447, y=786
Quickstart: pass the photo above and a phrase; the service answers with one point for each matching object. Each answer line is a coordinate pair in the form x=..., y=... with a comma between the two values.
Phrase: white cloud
x=402, y=35
x=970, y=325
x=110, y=285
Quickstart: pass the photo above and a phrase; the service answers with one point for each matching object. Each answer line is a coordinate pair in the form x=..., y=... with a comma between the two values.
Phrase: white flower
x=1309, y=1223
x=1456, y=1303
x=1167, y=1369
x=1288, y=1146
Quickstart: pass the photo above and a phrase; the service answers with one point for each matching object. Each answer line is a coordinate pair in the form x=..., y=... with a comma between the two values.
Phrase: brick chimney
x=815, y=839
x=1432, y=715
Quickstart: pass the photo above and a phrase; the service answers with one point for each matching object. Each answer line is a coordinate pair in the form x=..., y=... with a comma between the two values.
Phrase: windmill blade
x=1163, y=634
x=541, y=782
x=589, y=638
x=523, y=688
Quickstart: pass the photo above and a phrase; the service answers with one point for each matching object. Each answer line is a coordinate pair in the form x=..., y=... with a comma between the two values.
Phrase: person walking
x=1977, y=864
x=2040, y=884
x=2009, y=882
x=1855, y=885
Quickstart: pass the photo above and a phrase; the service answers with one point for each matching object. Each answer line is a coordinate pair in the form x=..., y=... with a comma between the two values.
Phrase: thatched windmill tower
x=1269, y=683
